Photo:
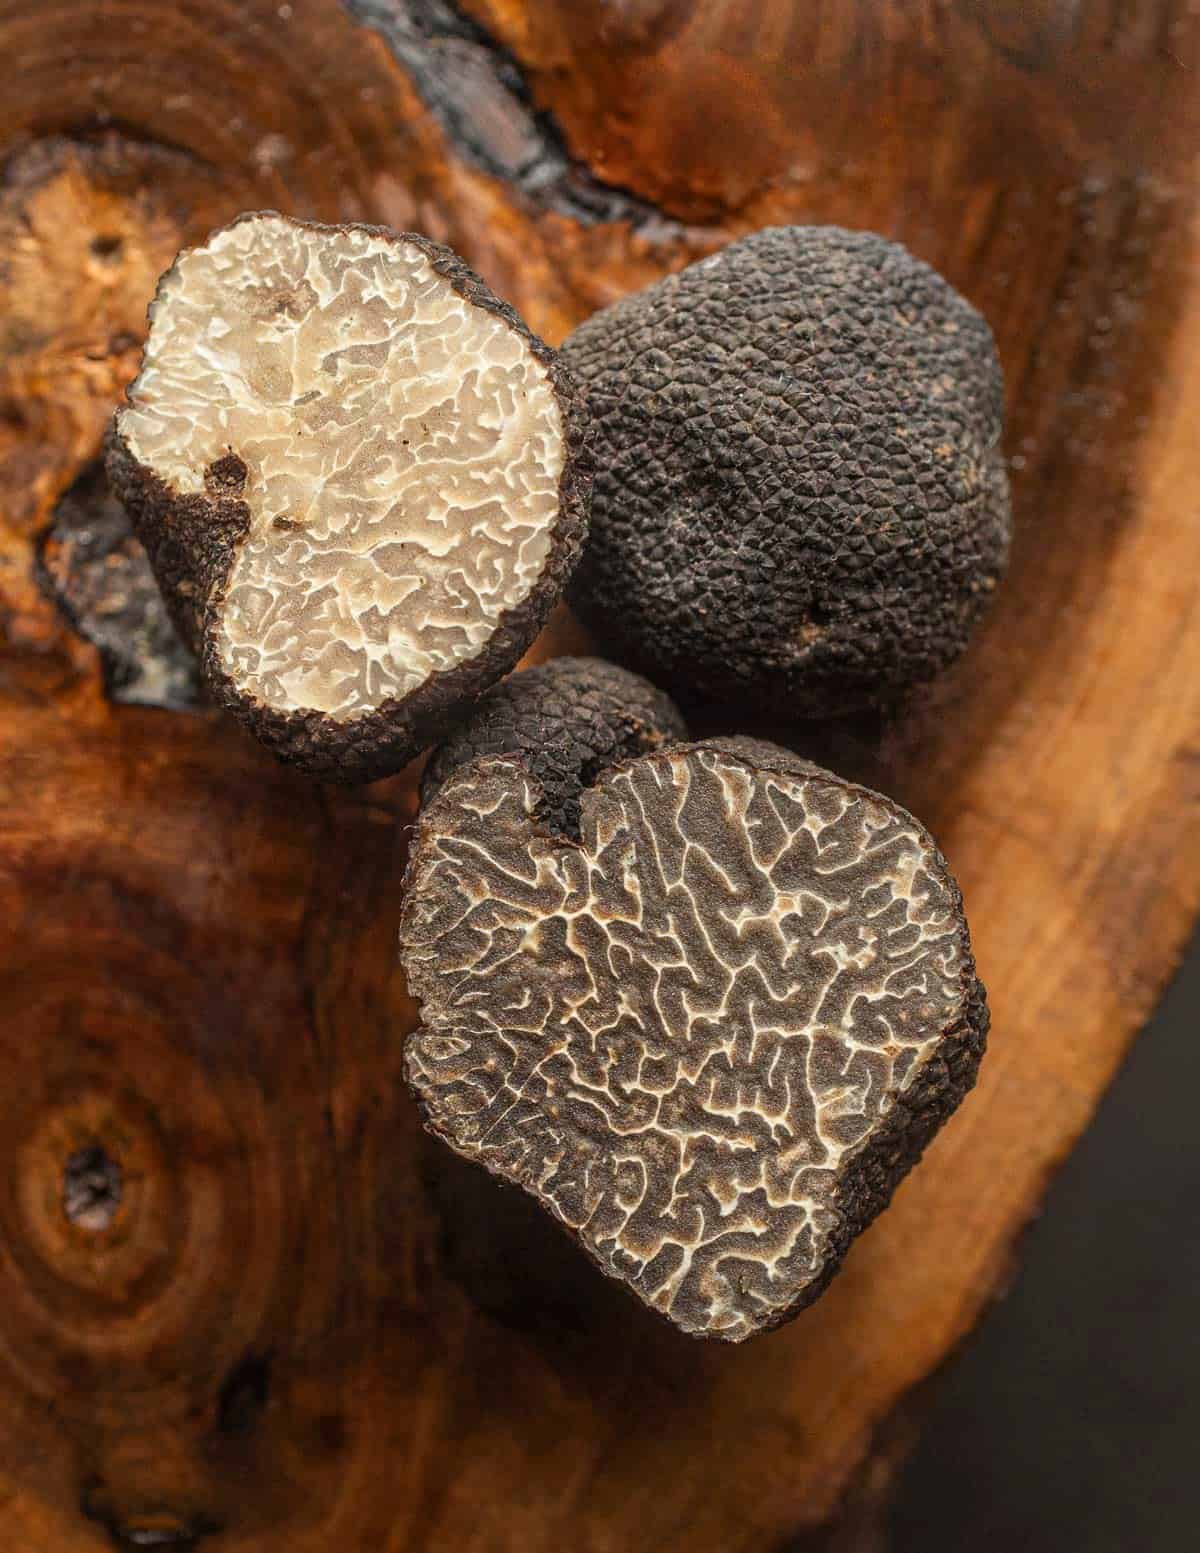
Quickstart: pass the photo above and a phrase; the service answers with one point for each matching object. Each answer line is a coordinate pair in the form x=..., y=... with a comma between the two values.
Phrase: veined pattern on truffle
x=675, y=1034
x=403, y=450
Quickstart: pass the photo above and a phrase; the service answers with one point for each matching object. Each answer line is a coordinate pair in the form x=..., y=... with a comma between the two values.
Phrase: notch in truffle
x=360, y=478
x=710, y=1034
x=801, y=501
x=567, y=721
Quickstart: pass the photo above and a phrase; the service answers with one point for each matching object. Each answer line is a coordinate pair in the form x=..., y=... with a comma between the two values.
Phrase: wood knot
x=92, y=1189
x=243, y=1395
x=108, y=247
x=144, y=1526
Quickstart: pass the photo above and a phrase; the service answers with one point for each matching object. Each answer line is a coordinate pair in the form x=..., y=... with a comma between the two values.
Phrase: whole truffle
x=710, y=1034
x=801, y=502
x=359, y=479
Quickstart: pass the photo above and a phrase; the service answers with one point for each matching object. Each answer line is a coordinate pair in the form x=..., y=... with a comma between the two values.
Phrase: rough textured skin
x=711, y=1035
x=192, y=539
x=566, y=721
x=801, y=498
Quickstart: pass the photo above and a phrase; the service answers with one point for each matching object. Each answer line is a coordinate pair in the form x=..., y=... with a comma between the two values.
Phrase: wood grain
x=269, y=1345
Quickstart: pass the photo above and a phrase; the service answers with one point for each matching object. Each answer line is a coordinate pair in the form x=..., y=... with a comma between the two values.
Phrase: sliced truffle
x=710, y=1035
x=801, y=502
x=567, y=721
x=359, y=478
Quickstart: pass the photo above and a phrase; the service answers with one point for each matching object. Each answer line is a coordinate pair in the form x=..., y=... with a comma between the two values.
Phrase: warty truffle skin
x=196, y=538
x=710, y=1034
x=801, y=502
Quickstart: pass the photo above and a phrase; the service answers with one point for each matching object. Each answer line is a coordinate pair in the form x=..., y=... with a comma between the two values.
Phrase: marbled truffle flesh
x=711, y=1034
x=359, y=480
x=801, y=501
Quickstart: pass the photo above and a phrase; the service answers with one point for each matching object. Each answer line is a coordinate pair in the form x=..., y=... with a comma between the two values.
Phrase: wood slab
x=250, y=1331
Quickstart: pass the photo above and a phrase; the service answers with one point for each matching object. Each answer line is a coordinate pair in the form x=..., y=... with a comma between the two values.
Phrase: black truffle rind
x=801, y=502
x=567, y=721
x=711, y=1034
x=192, y=540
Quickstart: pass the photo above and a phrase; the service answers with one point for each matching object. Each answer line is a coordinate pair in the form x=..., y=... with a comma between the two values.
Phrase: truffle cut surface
x=398, y=446
x=709, y=1037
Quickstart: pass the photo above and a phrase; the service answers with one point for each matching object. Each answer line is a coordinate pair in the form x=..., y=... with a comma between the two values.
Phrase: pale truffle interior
x=403, y=450
x=680, y=1033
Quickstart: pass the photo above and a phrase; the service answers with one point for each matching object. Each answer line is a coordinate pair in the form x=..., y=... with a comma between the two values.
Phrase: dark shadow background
x=1070, y=1423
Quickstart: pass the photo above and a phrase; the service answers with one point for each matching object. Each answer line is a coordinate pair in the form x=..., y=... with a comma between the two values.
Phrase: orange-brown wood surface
x=262, y=1346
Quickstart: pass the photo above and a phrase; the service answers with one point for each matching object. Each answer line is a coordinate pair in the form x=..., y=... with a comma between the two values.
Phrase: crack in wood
x=477, y=91
x=94, y=568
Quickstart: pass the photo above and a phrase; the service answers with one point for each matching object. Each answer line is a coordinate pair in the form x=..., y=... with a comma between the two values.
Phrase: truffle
x=801, y=502
x=361, y=481
x=711, y=1034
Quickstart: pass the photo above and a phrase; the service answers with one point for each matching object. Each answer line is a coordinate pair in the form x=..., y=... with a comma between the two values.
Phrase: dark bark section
x=98, y=573
x=477, y=91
